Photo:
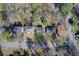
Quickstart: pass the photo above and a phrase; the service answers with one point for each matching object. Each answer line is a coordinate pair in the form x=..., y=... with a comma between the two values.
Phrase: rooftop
x=2, y=30
x=17, y=29
x=39, y=30
x=29, y=28
x=51, y=30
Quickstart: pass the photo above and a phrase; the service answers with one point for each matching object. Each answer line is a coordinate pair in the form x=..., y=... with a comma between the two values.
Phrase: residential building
x=39, y=30
x=17, y=29
x=2, y=30
x=29, y=29
x=51, y=30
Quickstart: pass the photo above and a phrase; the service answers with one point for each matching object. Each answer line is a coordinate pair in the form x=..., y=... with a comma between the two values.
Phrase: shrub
x=8, y=36
x=1, y=7
x=66, y=8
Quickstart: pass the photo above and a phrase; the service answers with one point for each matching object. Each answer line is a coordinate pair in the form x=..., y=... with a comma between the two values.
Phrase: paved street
x=71, y=37
x=14, y=45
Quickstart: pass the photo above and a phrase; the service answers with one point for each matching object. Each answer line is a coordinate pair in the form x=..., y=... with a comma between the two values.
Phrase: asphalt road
x=71, y=37
x=14, y=45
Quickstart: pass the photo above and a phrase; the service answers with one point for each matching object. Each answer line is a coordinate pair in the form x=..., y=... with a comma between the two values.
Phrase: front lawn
x=74, y=27
x=60, y=41
x=8, y=37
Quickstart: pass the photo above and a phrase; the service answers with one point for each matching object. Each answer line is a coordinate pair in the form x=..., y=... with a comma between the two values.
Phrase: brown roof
x=61, y=30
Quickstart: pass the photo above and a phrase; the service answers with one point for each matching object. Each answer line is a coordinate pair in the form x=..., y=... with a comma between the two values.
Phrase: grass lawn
x=0, y=21
x=60, y=41
x=74, y=27
x=66, y=8
x=35, y=6
x=45, y=23
x=1, y=7
x=11, y=40
x=35, y=17
x=38, y=37
x=8, y=37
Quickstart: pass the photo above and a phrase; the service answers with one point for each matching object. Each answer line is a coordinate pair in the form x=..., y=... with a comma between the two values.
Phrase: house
x=50, y=30
x=2, y=30
x=16, y=28
x=39, y=30
x=29, y=29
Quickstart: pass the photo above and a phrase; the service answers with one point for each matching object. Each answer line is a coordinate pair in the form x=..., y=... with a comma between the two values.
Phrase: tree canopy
x=66, y=8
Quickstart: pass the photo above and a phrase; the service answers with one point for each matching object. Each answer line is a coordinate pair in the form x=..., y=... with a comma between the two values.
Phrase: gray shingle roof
x=29, y=28
x=17, y=29
x=2, y=30
x=39, y=30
